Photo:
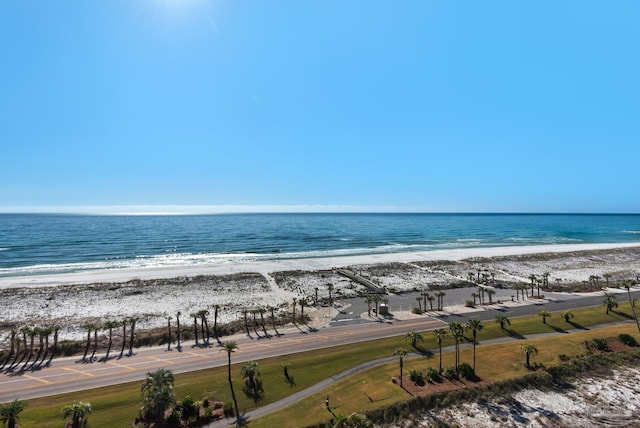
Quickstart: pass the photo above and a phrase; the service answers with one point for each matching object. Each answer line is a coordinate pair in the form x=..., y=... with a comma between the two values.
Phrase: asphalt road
x=68, y=374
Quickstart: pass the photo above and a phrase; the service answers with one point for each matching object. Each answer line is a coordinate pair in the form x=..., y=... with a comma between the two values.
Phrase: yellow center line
x=122, y=366
x=160, y=359
x=197, y=355
x=46, y=382
x=78, y=371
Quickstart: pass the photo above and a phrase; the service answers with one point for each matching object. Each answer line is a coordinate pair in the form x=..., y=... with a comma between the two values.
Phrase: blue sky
x=527, y=106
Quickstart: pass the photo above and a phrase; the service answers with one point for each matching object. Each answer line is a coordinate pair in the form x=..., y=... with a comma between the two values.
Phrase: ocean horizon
x=46, y=243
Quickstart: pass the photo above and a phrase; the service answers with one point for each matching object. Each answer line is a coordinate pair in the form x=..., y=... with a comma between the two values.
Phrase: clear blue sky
x=420, y=105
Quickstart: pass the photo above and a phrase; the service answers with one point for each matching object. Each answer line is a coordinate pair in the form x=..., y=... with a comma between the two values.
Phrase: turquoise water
x=41, y=244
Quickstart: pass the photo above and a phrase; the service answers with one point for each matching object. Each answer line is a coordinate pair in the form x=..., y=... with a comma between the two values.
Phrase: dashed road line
x=69, y=369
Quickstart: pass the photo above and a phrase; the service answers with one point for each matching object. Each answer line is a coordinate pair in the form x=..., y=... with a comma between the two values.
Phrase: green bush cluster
x=627, y=339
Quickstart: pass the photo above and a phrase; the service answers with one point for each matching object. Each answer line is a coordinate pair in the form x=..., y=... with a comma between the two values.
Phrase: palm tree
x=533, y=279
x=369, y=301
x=567, y=315
x=95, y=342
x=610, y=302
x=157, y=393
x=123, y=323
x=490, y=292
x=440, y=295
x=330, y=288
x=457, y=332
x=440, y=334
x=204, y=326
x=628, y=283
x=252, y=385
x=110, y=325
x=89, y=327
x=414, y=336
x=216, y=309
x=179, y=332
x=13, y=342
x=77, y=412
x=545, y=279
x=430, y=298
x=254, y=312
x=272, y=316
x=230, y=347
x=46, y=332
x=132, y=332
x=32, y=333
x=401, y=353
x=39, y=331
x=295, y=302
x=424, y=300
x=474, y=325
x=376, y=300
x=474, y=296
x=264, y=328
x=10, y=413
x=195, y=328
x=503, y=320
x=528, y=350
x=169, y=332
x=303, y=303
x=544, y=315
x=54, y=348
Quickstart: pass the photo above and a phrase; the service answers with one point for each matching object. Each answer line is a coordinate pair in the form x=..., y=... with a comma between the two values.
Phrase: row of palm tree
x=438, y=297
x=93, y=328
x=26, y=358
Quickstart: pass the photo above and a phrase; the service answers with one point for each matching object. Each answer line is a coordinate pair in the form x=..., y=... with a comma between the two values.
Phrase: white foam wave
x=634, y=232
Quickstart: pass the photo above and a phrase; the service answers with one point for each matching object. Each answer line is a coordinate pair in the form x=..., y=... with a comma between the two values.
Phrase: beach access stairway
x=371, y=286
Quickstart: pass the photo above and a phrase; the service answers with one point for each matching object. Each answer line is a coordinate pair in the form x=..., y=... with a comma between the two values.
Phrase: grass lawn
x=118, y=405
x=373, y=388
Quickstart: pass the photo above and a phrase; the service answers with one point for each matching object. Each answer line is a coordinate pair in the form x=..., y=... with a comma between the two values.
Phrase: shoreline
x=303, y=264
x=72, y=300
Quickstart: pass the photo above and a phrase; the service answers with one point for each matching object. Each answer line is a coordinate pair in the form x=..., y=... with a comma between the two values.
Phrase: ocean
x=38, y=244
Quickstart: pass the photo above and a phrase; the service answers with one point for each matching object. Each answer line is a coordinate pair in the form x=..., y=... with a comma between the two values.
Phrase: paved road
x=67, y=375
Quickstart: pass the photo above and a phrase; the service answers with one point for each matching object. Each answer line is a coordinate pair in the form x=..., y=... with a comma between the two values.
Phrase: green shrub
x=174, y=419
x=416, y=377
x=450, y=372
x=564, y=357
x=228, y=409
x=416, y=311
x=466, y=371
x=627, y=339
x=432, y=375
x=600, y=343
x=470, y=304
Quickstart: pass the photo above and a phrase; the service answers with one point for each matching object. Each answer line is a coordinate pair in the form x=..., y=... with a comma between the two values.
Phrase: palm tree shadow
x=513, y=333
x=576, y=325
x=621, y=314
x=241, y=421
x=558, y=329
x=422, y=351
x=302, y=331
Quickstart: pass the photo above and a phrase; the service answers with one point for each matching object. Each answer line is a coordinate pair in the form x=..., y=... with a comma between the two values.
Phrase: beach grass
x=118, y=405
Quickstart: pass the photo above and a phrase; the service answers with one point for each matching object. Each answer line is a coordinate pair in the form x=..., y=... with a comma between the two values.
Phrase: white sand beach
x=76, y=298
